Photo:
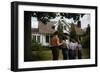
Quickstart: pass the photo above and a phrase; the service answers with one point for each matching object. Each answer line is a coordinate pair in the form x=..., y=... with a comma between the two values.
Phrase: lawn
x=43, y=55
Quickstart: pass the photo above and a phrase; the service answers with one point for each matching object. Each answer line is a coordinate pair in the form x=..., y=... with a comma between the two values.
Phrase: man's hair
x=65, y=37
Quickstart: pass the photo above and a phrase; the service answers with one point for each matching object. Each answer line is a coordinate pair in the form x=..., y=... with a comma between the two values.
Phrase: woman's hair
x=79, y=42
x=72, y=40
x=55, y=33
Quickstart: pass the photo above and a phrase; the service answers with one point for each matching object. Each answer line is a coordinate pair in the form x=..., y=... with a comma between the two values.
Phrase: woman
x=55, y=43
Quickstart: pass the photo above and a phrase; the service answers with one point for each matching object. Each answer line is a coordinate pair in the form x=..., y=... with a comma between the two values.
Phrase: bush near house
x=86, y=42
x=36, y=46
x=40, y=52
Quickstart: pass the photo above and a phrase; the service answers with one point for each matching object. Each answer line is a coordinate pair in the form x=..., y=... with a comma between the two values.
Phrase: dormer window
x=53, y=27
x=64, y=27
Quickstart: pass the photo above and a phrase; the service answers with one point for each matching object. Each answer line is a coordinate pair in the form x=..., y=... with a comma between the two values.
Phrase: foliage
x=75, y=16
x=60, y=31
x=79, y=24
x=73, y=32
x=88, y=30
x=86, y=39
x=36, y=45
x=46, y=16
x=38, y=51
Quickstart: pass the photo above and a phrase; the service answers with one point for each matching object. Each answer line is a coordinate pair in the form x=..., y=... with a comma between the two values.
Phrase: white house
x=44, y=32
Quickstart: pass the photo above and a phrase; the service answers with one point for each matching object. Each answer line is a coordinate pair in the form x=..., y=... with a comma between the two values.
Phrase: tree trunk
x=27, y=37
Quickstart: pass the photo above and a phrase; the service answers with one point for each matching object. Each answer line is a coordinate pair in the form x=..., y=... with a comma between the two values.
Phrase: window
x=64, y=27
x=38, y=39
x=53, y=27
x=51, y=37
x=47, y=39
x=34, y=38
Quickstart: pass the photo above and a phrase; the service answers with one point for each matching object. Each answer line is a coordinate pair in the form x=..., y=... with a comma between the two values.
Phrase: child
x=65, y=48
x=72, y=49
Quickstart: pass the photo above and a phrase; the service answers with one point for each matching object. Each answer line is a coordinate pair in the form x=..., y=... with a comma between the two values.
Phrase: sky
x=34, y=22
x=85, y=20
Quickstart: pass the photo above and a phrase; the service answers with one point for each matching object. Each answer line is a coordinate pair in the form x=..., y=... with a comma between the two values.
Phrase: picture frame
x=21, y=15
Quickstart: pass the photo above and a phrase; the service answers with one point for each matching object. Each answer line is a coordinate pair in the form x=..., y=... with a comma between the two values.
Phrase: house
x=44, y=32
x=64, y=25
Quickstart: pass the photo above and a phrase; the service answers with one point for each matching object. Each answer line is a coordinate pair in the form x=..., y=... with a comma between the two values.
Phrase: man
x=55, y=43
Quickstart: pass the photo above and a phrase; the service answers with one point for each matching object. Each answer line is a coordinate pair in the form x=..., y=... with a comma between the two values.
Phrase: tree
x=88, y=30
x=27, y=36
x=60, y=30
x=79, y=24
x=88, y=36
x=86, y=39
x=46, y=16
x=73, y=32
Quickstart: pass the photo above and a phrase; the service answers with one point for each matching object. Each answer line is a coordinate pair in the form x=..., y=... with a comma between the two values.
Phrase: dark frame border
x=14, y=35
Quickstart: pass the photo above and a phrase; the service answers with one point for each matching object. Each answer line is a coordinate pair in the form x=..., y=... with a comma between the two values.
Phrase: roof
x=44, y=28
x=35, y=30
x=48, y=28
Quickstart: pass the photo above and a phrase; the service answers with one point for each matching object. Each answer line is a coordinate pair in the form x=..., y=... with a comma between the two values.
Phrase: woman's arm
x=58, y=42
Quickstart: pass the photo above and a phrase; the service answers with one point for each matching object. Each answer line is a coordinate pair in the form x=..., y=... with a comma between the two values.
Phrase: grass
x=43, y=55
x=86, y=53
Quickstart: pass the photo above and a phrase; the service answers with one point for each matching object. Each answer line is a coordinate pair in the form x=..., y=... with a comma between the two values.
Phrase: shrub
x=86, y=41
